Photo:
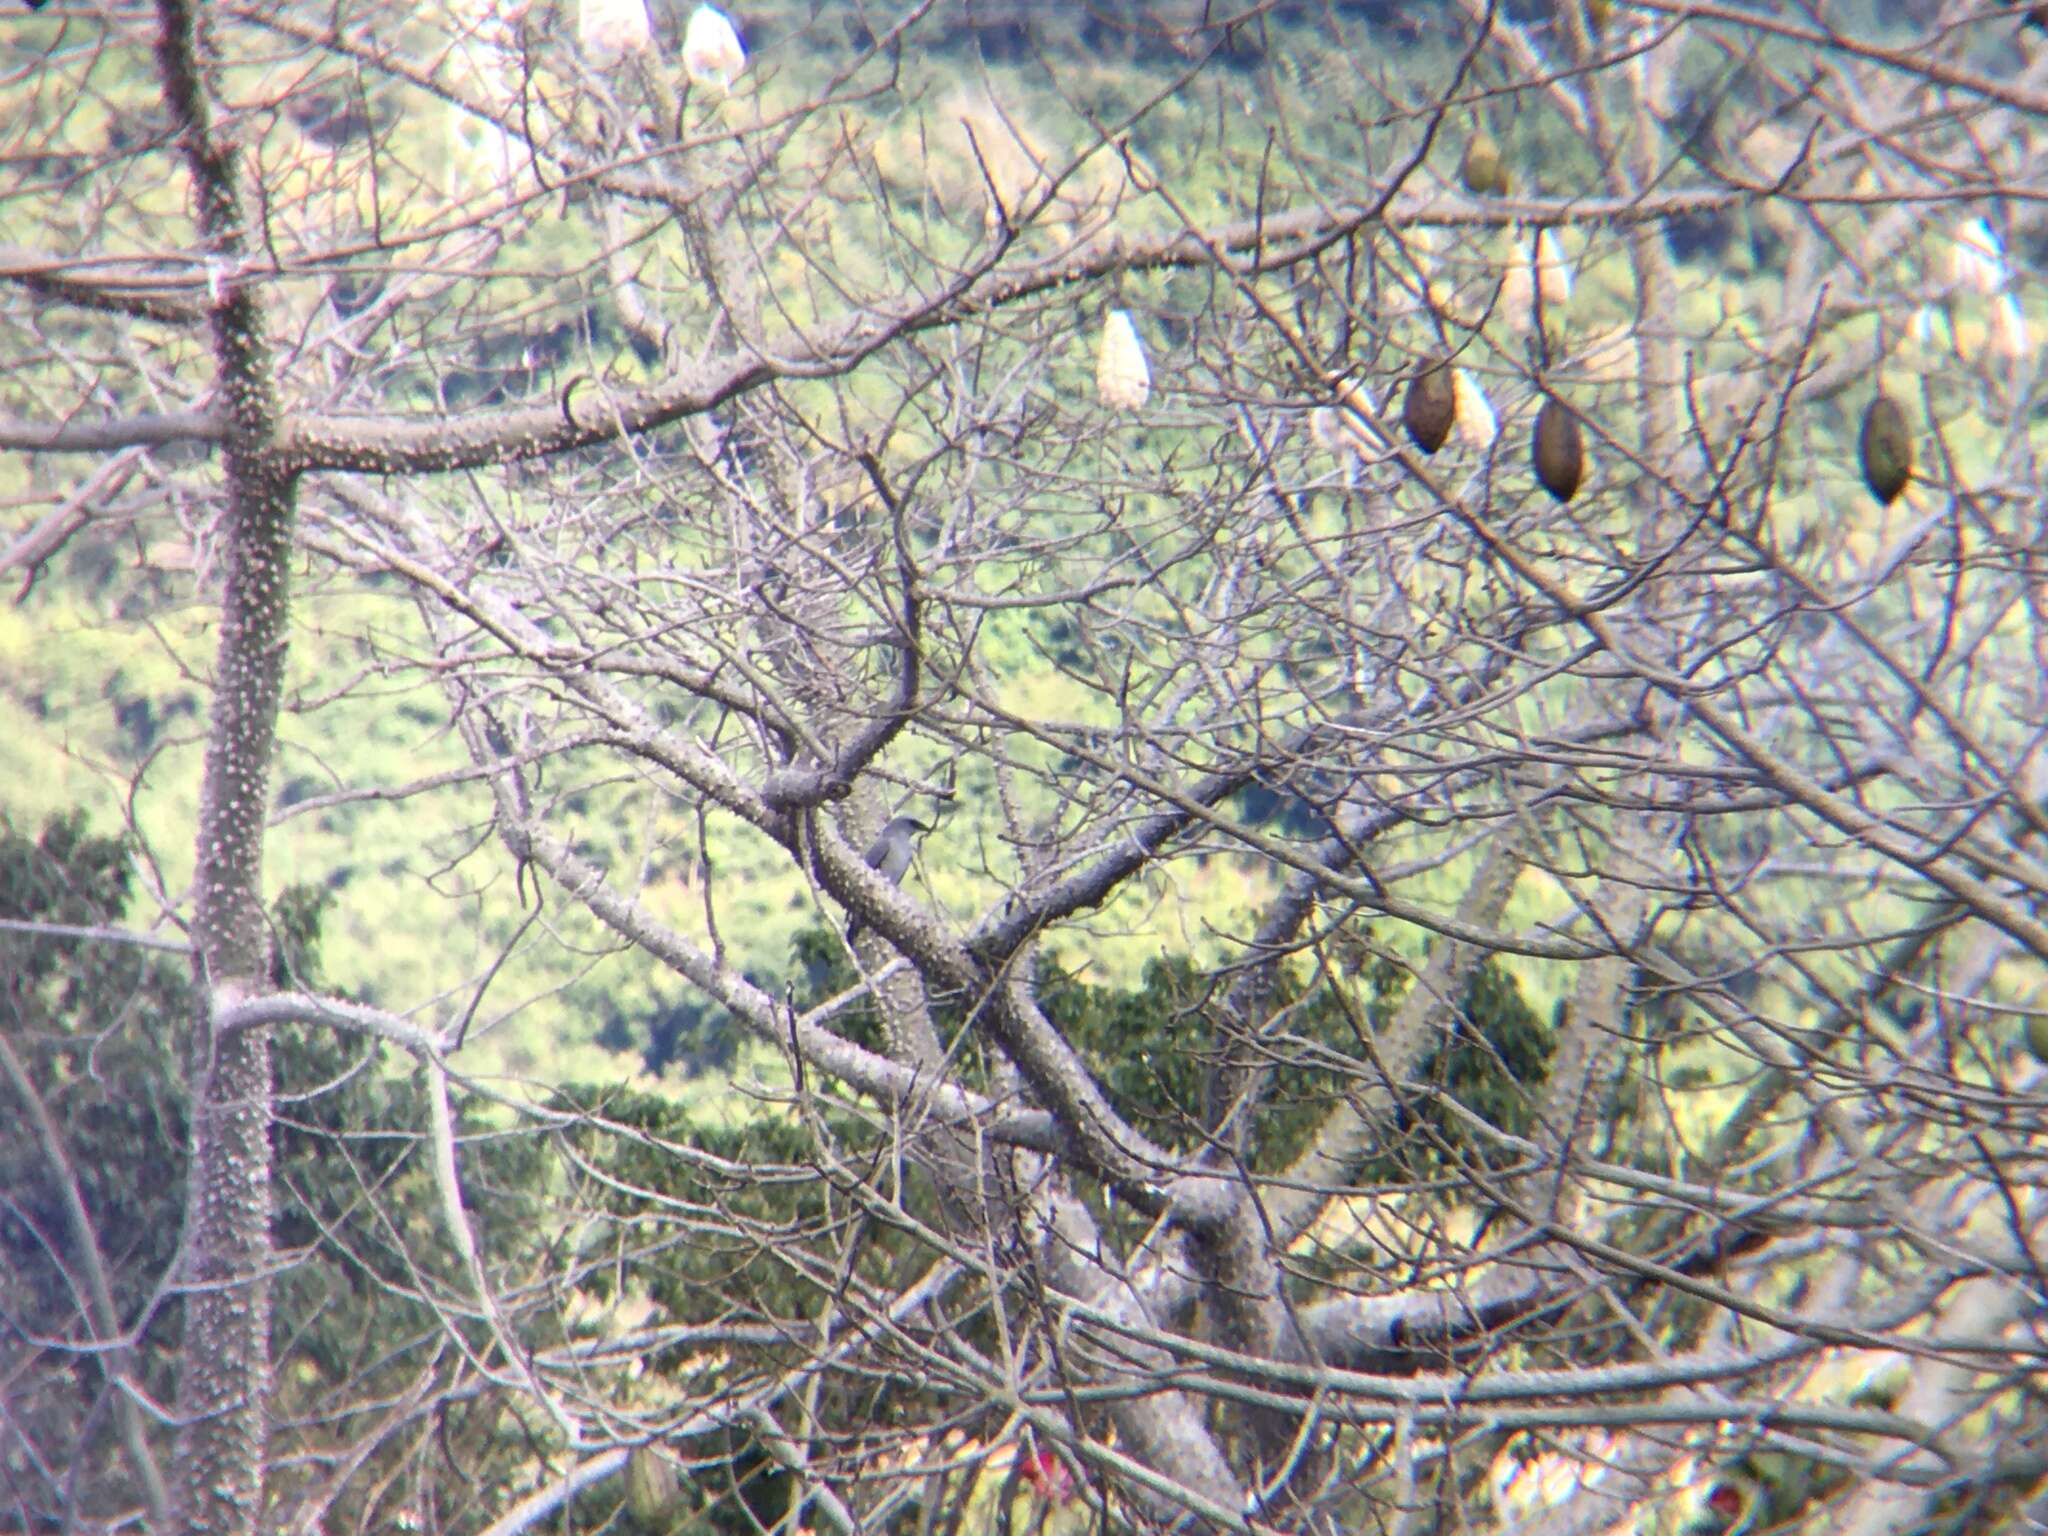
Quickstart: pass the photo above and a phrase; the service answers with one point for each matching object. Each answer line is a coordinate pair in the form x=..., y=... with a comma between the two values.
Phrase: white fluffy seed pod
x=1976, y=257
x=1424, y=246
x=1552, y=271
x=610, y=31
x=1477, y=425
x=2008, y=327
x=1526, y=270
x=1517, y=302
x=712, y=54
x=1122, y=380
x=1353, y=394
x=1347, y=426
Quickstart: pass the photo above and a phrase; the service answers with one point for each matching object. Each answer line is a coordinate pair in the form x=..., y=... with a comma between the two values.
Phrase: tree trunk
x=224, y=1380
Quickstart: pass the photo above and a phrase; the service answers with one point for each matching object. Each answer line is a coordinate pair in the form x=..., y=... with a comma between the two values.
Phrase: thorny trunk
x=224, y=1379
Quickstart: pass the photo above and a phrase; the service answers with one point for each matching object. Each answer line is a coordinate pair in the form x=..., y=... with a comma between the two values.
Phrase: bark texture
x=218, y=1470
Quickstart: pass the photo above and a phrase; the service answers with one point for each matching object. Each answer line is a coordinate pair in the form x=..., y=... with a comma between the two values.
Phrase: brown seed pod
x=1886, y=449
x=651, y=1484
x=1481, y=169
x=1599, y=13
x=1431, y=405
x=1559, y=453
x=2037, y=1037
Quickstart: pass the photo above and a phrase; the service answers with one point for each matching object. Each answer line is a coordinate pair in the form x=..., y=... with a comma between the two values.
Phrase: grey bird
x=889, y=856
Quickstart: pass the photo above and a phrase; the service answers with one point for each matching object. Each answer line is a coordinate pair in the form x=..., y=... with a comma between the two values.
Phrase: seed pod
x=1976, y=257
x=1354, y=398
x=2037, y=1037
x=1351, y=424
x=610, y=31
x=1517, y=301
x=712, y=52
x=1481, y=169
x=1599, y=13
x=1122, y=381
x=1477, y=425
x=1928, y=322
x=2009, y=328
x=1551, y=275
x=1431, y=405
x=1560, y=454
x=1886, y=449
x=651, y=1485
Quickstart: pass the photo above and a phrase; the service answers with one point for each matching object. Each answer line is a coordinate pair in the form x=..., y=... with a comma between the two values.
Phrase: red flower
x=1049, y=1477
x=1726, y=1500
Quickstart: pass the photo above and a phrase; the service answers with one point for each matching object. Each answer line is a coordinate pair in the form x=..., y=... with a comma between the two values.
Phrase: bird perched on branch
x=889, y=856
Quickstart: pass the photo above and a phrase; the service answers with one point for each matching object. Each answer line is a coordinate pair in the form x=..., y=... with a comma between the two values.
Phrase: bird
x=889, y=856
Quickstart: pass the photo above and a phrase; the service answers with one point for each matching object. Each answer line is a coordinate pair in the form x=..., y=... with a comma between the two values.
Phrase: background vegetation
x=1424, y=1004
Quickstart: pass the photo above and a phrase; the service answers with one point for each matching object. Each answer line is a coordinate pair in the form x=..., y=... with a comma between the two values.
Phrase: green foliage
x=653, y=1158
x=100, y=1031
x=711, y=1221
x=721, y=1223
x=1155, y=1049
x=1497, y=1056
